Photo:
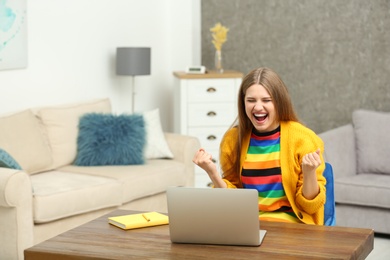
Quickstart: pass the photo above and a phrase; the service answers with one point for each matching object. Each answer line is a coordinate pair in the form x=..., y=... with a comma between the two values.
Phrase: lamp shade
x=132, y=61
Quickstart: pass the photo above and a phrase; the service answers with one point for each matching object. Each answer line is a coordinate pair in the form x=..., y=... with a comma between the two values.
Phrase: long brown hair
x=280, y=98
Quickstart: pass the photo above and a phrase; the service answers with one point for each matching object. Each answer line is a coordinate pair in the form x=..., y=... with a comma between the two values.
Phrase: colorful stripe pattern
x=262, y=171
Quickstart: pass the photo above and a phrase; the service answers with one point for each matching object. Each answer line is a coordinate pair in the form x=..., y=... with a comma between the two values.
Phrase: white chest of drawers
x=205, y=107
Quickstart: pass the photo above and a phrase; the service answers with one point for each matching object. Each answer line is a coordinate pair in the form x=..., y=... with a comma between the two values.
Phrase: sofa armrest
x=16, y=220
x=183, y=148
x=340, y=150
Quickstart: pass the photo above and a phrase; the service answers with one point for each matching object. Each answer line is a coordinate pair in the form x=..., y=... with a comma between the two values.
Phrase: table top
x=99, y=240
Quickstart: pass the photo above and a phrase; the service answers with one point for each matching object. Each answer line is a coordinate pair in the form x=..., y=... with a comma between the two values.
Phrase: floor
x=381, y=249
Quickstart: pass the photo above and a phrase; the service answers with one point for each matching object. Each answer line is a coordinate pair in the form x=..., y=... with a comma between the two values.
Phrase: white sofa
x=51, y=195
x=359, y=153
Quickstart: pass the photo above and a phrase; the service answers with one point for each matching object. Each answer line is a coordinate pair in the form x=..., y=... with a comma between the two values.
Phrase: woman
x=268, y=149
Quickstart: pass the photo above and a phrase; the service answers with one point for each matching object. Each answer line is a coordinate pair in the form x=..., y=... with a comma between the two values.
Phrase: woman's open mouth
x=260, y=117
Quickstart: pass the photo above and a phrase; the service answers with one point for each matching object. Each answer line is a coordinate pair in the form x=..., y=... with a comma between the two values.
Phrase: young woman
x=268, y=149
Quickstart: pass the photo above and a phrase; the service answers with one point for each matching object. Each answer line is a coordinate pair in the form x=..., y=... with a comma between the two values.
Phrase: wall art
x=13, y=34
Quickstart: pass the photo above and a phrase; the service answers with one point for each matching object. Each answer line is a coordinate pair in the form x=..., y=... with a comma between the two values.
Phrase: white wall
x=71, y=53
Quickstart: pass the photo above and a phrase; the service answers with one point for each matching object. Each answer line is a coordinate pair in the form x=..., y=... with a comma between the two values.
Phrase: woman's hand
x=205, y=161
x=310, y=163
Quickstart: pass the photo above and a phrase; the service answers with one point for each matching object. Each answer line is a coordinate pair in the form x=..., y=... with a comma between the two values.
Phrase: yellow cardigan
x=296, y=140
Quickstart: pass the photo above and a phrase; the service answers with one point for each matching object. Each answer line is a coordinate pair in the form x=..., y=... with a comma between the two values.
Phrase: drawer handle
x=211, y=137
x=211, y=90
x=211, y=113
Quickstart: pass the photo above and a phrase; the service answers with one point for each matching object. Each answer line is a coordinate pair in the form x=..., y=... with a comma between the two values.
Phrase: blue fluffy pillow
x=106, y=139
x=7, y=161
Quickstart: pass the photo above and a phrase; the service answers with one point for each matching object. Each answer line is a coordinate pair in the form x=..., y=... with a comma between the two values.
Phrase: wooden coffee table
x=99, y=240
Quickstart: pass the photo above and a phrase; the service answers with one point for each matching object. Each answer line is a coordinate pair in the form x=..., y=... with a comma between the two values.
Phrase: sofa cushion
x=139, y=181
x=22, y=137
x=60, y=194
x=106, y=139
x=156, y=144
x=372, y=143
x=61, y=125
x=370, y=190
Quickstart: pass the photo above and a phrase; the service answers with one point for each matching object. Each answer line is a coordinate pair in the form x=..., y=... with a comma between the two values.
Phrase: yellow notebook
x=140, y=220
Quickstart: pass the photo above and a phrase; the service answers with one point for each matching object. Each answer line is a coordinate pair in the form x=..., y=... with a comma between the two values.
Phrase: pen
x=145, y=217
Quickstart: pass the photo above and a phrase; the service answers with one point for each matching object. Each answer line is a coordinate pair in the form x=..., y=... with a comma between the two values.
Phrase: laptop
x=214, y=216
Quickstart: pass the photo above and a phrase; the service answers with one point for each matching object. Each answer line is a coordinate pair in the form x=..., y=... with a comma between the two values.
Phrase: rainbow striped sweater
x=261, y=171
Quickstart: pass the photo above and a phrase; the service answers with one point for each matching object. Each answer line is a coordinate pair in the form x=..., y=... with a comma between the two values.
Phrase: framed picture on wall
x=13, y=34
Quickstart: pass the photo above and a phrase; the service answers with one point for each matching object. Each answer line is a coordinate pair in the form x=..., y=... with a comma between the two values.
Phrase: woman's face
x=260, y=109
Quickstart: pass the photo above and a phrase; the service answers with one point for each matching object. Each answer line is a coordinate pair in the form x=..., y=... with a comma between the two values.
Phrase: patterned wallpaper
x=334, y=56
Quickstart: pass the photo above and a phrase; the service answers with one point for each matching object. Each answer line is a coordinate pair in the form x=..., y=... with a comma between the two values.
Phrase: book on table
x=139, y=220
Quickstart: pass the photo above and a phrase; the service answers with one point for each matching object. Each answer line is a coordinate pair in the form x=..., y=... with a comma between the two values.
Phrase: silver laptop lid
x=213, y=216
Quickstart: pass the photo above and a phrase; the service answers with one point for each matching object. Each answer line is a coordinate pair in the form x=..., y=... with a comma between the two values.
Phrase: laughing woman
x=269, y=150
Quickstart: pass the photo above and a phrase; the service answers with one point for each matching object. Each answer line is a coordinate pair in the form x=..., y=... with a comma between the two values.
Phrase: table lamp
x=133, y=61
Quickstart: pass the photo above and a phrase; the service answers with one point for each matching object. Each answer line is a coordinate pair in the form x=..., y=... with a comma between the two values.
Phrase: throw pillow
x=106, y=139
x=7, y=161
x=372, y=147
x=156, y=144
